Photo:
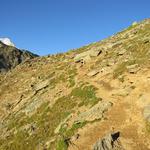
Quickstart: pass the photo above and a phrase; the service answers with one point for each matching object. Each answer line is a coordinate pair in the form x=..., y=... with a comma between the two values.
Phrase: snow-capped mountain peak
x=7, y=41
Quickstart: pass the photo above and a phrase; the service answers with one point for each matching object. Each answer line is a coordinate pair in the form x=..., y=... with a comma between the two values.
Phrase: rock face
x=10, y=57
x=133, y=68
x=93, y=73
x=96, y=112
x=41, y=85
x=85, y=56
x=109, y=142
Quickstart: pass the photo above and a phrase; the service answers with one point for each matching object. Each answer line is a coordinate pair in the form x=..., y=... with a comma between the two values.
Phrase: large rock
x=93, y=73
x=41, y=85
x=95, y=52
x=85, y=56
x=133, y=68
x=81, y=57
x=108, y=142
x=96, y=112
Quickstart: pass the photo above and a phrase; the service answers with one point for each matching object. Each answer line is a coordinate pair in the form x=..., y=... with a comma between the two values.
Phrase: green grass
x=139, y=54
x=61, y=144
x=71, y=77
x=74, y=128
x=66, y=134
x=46, y=119
x=68, y=76
x=71, y=81
x=17, y=142
x=86, y=94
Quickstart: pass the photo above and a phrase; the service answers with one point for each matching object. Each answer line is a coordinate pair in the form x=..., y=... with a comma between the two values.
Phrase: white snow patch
x=7, y=41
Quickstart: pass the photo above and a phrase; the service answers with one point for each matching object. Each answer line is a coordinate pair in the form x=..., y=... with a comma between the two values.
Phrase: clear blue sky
x=51, y=26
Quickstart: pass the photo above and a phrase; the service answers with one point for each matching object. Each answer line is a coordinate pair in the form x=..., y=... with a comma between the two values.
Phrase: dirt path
x=125, y=116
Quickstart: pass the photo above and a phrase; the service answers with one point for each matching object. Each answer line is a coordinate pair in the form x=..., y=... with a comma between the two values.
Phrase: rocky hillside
x=95, y=97
x=10, y=57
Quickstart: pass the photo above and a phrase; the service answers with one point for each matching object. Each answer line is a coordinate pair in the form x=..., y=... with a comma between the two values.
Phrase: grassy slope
x=36, y=129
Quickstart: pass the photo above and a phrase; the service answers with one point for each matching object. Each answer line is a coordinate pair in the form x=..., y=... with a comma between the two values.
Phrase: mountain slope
x=10, y=57
x=70, y=100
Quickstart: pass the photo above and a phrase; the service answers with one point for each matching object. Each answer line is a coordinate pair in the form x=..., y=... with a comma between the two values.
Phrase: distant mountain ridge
x=11, y=56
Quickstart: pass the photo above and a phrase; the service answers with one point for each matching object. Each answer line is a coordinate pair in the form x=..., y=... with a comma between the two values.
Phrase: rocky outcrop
x=10, y=57
x=93, y=73
x=133, y=68
x=109, y=142
x=41, y=85
x=96, y=112
x=85, y=56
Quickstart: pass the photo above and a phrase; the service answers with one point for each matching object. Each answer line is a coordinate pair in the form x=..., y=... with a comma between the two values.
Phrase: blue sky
x=51, y=26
